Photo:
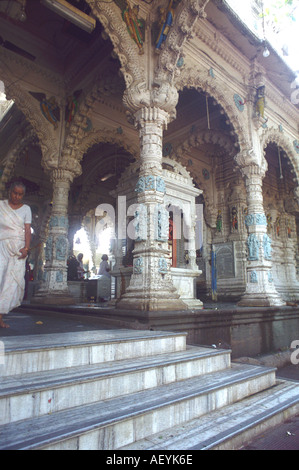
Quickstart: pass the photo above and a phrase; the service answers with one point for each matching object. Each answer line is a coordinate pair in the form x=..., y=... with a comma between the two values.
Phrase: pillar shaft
x=54, y=288
x=260, y=288
x=151, y=286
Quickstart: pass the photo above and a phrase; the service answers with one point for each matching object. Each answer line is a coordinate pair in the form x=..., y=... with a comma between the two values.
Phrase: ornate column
x=54, y=289
x=260, y=289
x=151, y=286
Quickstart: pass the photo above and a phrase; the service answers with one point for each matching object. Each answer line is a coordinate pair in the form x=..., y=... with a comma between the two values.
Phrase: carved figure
x=267, y=247
x=167, y=17
x=49, y=108
x=71, y=107
x=134, y=24
x=234, y=219
x=162, y=216
x=277, y=225
x=61, y=248
x=141, y=223
x=260, y=101
x=163, y=266
x=48, y=249
x=269, y=223
x=253, y=247
x=289, y=229
x=219, y=222
x=138, y=265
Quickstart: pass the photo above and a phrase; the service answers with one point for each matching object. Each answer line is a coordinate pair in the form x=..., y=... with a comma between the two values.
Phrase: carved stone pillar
x=260, y=289
x=151, y=287
x=54, y=289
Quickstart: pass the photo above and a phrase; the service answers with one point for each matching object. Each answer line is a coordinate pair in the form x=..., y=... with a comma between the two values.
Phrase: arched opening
x=203, y=140
x=91, y=214
x=282, y=212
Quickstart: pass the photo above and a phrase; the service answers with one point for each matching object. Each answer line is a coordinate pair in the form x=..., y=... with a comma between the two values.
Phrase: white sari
x=12, y=269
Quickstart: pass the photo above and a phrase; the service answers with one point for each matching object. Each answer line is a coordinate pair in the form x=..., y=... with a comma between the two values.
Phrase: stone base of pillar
x=54, y=298
x=152, y=301
x=193, y=304
x=261, y=300
x=260, y=288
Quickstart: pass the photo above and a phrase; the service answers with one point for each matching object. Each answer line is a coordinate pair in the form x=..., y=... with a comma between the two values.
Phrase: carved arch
x=280, y=139
x=15, y=154
x=108, y=136
x=191, y=78
x=109, y=15
x=31, y=110
x=178, y=168
x=207, y=137
x=78, y=131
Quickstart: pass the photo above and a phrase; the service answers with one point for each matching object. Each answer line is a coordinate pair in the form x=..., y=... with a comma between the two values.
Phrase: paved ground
x=35, y=323
x=283, y=437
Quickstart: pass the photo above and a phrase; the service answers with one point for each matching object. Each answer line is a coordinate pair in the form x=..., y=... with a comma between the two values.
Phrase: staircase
x=141, y=390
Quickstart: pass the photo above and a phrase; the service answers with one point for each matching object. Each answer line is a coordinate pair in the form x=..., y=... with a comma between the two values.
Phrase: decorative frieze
x=150, y=183
x=56, y=221
x=61, y=248
x=49, y=248
x=59, y=277
x=255, y=219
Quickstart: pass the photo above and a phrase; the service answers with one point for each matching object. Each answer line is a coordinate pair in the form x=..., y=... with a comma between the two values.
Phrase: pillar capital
x=61, y=174
x=250, y=166
x=155, y=116
x=161, y=96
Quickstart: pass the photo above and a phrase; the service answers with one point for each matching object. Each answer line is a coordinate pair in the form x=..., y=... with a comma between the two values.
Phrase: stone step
x=118, y=422
x=31, y=395
x=39, y=353
x=229, y=428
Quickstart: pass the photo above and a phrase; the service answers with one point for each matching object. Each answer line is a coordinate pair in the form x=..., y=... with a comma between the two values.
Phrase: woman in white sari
x=15, y=236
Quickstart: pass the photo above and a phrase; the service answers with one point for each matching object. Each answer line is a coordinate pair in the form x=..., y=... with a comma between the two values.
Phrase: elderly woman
x=15, y=236
x=104, y=267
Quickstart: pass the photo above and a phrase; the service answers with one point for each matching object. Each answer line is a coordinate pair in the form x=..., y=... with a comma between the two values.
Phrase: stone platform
x=246, y=331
